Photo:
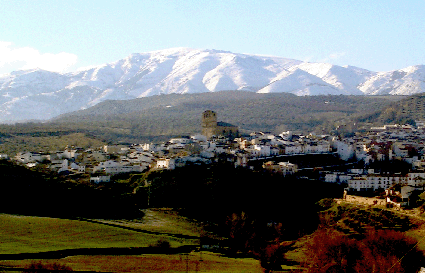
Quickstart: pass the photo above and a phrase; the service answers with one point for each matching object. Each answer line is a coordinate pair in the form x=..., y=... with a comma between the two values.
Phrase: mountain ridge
x=42, y=95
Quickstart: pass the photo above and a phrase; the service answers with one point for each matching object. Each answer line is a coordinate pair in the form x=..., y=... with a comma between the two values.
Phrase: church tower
x=210, y=126
x=209, y=123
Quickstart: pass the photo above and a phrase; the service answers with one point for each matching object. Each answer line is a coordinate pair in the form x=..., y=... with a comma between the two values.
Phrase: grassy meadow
x=25, y=234
x=194, y=261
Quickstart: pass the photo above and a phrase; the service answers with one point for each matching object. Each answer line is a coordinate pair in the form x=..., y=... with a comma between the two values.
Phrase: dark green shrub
x=37, y=267
x=162, y=244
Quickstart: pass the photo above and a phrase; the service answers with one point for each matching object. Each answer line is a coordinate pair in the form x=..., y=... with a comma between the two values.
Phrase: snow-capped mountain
x=407, y=81
x=41, y=95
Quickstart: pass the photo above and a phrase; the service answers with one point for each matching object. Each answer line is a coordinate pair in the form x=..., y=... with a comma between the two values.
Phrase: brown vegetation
x=378, y=251
x=37, y=267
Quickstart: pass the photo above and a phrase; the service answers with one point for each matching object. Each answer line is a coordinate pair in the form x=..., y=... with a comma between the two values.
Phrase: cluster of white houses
x=217, y=139
x=405, y=145
x=401, y=142
x=98, y=163
x=389, y=142
x=368, y=180
x=177, y=152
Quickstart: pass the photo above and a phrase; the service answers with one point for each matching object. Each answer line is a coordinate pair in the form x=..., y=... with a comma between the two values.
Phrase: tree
x=241, y=231
x=379, y=251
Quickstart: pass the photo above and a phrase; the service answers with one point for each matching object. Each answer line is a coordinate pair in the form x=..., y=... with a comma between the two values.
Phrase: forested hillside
x=404, y=111
x=169, y=115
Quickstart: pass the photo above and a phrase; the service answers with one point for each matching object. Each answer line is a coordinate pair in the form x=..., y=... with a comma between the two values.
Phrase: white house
x=284, y=168
x=138, y=157
x=166, y=163
x=331, y=177
x=375, y=182
x=343, y=178
x=337, y=177
x=288, y=168
x=199, y=138
x=63, y=166
x=80, y=168
x=113, y=167
x=100, y=179
x=151, y=147
x=31, y=157
x=263, y=150
x=294, y=149
x=115, y=149
x=179, y=141
x=274, y=151
x=314, y=148
x=344, y=150
x=31, y=164
x=67, y=153
x=286, y=135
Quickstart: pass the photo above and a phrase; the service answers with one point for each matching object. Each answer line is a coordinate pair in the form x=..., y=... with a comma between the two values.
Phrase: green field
x=25, y=234
x=22, y=234
x=165, y=221
x=193, y=262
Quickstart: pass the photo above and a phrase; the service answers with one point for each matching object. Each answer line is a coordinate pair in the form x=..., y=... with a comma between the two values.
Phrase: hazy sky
x=379, y=35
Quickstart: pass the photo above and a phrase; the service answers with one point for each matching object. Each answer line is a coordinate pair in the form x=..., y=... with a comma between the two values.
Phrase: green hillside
x=25, y=234
x=406, y=110
x=170, y=115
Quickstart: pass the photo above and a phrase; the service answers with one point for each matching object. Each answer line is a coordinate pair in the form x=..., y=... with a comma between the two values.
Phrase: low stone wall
x=369, y=201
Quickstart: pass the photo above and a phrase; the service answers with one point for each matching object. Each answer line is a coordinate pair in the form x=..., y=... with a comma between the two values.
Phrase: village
x=222, y=141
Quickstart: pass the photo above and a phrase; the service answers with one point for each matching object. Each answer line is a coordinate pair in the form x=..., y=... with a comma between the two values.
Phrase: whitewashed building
x=285, y=168
x=100, y=179
x=375, y=182
x=31, y=157
x=113, y=167
x=166, y=163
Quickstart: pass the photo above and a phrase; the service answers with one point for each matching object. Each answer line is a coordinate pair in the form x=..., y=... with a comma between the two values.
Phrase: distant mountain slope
x=41, y=95
x=403, y=111
x=171, y=115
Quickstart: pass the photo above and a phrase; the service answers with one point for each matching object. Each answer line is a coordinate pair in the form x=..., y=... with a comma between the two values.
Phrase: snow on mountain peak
x=39, y=94
x=407, y=81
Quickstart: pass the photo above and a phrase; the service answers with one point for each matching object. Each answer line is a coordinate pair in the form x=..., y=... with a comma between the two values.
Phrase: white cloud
x=18, y=58
x=332, y=57
x=336, y=55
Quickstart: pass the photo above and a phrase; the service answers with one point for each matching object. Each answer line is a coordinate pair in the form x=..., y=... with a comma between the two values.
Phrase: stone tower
x=209, y=123
x=210, y=126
